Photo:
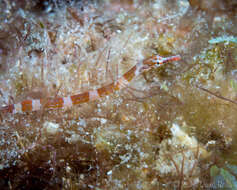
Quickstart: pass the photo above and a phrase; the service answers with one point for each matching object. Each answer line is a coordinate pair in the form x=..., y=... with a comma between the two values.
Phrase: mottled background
x=173, y=127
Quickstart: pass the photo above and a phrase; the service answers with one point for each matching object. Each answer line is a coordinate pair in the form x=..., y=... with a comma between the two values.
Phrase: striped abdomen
x=62, y=102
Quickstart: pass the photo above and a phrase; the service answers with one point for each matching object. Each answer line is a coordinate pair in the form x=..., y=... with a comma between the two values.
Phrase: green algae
x=21, y=83
x=164, y=44
x=205, y=67
x=233, y=84
x=225, y=39
x=211, y=65
x=222, y=178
